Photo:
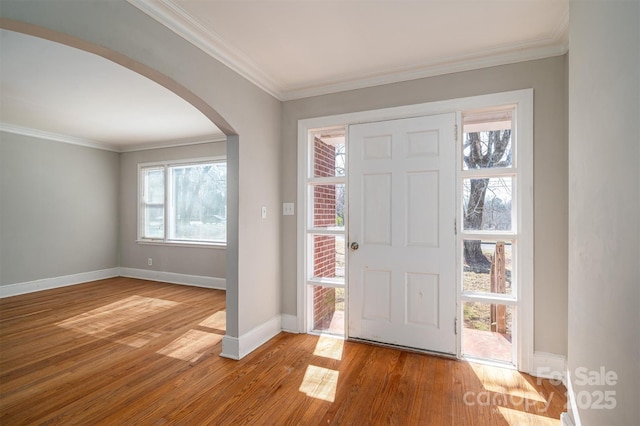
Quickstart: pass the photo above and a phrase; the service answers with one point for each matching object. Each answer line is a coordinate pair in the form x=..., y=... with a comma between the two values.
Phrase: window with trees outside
x=489, y=234
x=183, y=202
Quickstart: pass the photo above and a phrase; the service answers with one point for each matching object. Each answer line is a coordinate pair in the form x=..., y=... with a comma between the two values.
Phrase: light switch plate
x=288, y=209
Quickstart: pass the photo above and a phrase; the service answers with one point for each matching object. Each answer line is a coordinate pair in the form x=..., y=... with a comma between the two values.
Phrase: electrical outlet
x=150, y=262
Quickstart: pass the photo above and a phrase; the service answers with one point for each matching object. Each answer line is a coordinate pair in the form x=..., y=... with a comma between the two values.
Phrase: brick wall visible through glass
x=324, y=203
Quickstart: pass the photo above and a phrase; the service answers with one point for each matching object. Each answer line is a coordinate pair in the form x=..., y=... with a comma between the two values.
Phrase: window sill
x=182, y=244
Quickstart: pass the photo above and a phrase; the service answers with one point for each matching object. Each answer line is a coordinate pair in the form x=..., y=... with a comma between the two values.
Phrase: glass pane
x=153, y=202
x=199, y=202
x=329, y=154
x=153, y=221
x=328, y=309
x=487, y=204
x=487, y=331
x=487, y=266
x=328, y=206
x=487, y=140
x=328, y=257
x=153, y=185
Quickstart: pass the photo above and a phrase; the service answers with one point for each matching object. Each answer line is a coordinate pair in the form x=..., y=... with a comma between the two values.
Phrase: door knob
x=354, y=246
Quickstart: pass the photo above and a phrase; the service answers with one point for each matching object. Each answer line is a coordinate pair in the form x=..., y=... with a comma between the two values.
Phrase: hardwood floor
x=132, y=352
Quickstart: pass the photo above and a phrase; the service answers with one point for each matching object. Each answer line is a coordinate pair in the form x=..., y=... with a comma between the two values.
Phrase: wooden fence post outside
x=498, y=285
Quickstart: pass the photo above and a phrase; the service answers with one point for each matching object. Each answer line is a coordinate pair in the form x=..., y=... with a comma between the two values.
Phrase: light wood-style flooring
x=133, y=352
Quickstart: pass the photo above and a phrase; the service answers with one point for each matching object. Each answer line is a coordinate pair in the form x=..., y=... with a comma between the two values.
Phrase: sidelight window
x=489, y=234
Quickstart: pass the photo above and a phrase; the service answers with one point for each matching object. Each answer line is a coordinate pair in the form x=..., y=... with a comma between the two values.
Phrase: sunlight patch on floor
x=516, y=417
x=217, y=321
x=320, y=383
x=191, y=345
x=329, y=347
x=505, y=381
x=113, y=318
x=138, y=340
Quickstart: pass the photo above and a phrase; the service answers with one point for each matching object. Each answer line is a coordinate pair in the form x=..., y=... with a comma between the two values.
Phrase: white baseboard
x=549, y=366
x=55, y=282
x=230, y=347
x=572, y=416
x=173, y=278
x=290, y=323
x=554, y=367
x=565, y=420
x=83, y=277
x=239, y=347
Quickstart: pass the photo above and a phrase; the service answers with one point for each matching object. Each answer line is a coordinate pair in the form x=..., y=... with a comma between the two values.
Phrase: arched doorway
x=201, y=105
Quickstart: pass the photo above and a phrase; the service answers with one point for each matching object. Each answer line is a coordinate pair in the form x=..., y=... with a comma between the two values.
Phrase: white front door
x=402, y=253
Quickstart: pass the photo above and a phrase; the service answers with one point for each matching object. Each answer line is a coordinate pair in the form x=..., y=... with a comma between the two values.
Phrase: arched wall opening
x=232, y=141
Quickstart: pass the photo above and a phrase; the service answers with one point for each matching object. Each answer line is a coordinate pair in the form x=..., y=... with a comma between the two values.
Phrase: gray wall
x=604, y=203
x=119, y=31
x=548, y=79
x=267, y=156
x=203, y=261
x=58, y=209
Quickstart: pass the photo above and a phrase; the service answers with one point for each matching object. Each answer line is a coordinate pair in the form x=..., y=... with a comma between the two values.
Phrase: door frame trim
x=523, y=99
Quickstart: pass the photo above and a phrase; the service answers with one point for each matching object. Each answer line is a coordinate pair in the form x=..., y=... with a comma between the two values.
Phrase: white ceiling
x=291, y=49
x=62, y=93
x=295, y=48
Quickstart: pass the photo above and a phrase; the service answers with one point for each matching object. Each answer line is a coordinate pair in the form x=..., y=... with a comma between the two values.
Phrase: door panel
x=376, y=294
x=402, y=212
x=377, y=205
x=422, y=296
x=422, y=212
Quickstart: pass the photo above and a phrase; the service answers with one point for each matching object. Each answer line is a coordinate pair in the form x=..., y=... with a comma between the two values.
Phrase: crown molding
x=57, y=137
x=482, y=59
x=188, y=27
x=557, y=44
x=42, y=134
x=561, y=33
x=174, y=143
